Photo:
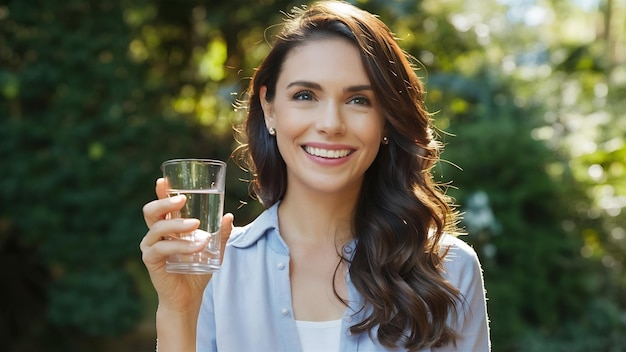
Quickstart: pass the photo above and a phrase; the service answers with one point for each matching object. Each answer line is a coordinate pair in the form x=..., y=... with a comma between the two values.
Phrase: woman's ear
x=385, y=135
x=268, y=108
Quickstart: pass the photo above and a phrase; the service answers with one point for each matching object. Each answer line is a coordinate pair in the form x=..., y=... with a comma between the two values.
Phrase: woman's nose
x=331, y=120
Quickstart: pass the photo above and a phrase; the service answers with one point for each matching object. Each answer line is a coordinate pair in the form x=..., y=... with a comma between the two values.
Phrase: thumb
x=225, y=230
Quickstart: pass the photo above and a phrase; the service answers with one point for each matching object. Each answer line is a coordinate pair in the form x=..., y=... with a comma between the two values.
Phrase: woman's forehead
x=334, y=59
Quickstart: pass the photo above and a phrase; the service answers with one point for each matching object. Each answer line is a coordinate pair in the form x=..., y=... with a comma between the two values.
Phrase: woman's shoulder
x=459, y=258
x=457, y=244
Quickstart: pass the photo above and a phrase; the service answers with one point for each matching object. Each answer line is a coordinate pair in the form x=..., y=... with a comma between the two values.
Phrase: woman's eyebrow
x=305, y=84
x=359, y=88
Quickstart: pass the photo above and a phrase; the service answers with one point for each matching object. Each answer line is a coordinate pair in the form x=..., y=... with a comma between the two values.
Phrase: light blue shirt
x=247, y=305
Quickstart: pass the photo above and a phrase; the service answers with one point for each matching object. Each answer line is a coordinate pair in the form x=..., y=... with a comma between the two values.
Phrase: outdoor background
x=530, y=97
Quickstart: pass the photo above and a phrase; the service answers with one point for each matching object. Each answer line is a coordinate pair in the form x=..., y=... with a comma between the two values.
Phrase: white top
x=322, y=336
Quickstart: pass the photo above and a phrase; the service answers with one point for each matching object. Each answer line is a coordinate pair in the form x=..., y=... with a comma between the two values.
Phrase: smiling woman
x=356, y=249
x=328, y=123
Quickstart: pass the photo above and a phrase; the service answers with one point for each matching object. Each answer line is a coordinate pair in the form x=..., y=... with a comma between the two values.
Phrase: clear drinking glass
x=202, y=182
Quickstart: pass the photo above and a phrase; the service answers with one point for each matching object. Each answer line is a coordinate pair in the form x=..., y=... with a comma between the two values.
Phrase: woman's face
x=328, y=122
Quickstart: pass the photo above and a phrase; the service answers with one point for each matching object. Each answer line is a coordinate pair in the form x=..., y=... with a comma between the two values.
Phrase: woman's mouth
x=327, y=153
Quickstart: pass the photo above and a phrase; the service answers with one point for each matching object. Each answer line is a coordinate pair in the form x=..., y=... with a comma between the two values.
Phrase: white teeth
x=325, y=153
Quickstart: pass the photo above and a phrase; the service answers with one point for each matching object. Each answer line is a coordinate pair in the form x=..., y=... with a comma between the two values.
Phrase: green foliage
x=85, y=300
x=81, y=141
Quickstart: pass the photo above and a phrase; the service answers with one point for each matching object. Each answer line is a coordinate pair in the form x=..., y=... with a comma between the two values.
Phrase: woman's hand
x=180, y=295
x=176, y=292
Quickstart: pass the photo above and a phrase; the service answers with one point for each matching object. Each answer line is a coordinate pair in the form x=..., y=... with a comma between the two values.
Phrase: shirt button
x=348, y=319
x=284, y=311
x=347, y=249
x=280, y=266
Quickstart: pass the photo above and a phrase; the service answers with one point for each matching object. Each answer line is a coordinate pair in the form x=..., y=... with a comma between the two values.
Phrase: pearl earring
x=272, y=131
x=385, y=140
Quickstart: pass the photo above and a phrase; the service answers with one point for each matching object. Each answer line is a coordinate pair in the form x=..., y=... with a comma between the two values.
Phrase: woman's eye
x=303, y=95
x=360, y=100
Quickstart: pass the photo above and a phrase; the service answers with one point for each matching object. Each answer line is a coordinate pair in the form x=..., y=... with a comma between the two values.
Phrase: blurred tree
x=83, y=133
x=555, y=272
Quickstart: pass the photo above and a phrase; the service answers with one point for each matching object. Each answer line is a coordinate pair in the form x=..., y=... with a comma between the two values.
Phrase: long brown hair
x=400, y=215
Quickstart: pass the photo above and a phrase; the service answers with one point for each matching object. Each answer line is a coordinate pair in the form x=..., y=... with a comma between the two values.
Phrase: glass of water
x=202, y=182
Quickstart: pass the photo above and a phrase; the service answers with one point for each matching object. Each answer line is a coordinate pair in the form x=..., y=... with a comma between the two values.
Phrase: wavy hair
x=401, y=214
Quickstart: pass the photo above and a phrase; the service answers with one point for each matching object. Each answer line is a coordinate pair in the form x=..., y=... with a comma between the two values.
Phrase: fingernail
x=190, y=222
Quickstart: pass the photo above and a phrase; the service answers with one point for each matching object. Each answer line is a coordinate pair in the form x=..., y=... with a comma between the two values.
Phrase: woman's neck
x=316, y=218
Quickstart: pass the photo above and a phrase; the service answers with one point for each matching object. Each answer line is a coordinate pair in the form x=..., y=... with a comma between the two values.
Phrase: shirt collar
x=266, y=224
x=246, y=236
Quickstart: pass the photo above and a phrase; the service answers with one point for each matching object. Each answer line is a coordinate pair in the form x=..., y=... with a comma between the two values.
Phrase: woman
x=354, y=251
